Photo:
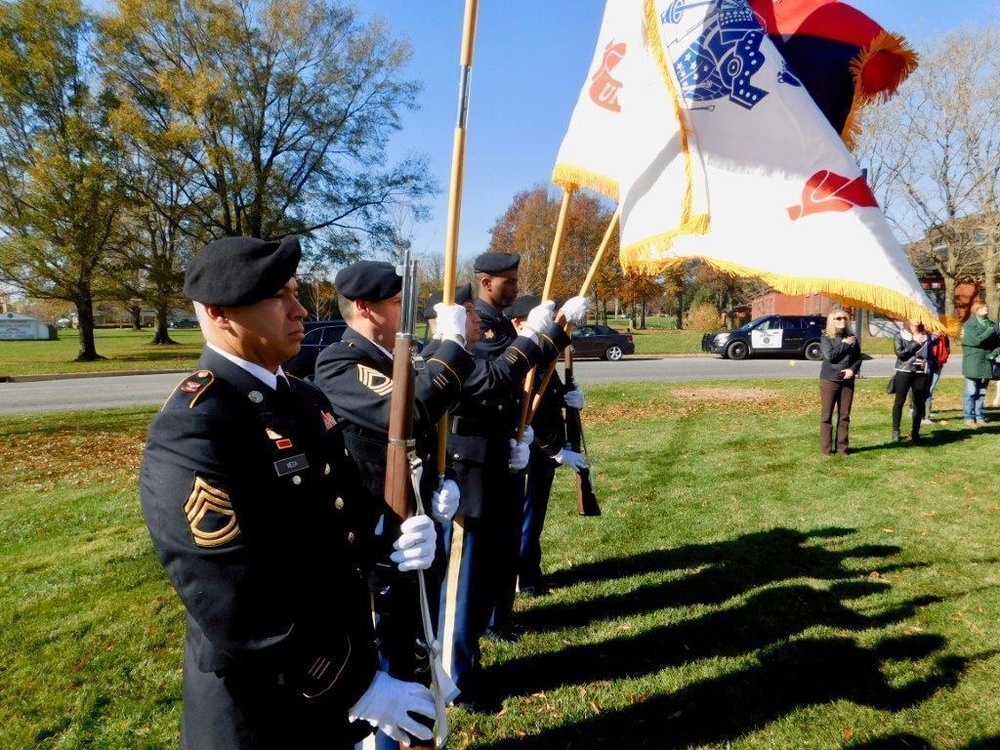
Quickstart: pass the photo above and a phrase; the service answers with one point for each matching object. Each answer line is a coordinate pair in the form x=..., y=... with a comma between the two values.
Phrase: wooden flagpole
x=450, y=583
x=584, y=289
x=529, y=380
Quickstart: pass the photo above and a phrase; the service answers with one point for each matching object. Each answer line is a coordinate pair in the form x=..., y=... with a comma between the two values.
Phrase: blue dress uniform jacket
x=497, y=332
x=356, y=375
x=252, y=510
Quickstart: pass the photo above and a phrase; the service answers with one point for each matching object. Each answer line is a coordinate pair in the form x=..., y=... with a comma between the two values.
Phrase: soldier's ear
x=217, y=317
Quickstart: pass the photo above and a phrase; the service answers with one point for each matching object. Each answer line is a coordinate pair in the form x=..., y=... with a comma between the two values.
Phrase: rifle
x=402, y=495
x=586, y=500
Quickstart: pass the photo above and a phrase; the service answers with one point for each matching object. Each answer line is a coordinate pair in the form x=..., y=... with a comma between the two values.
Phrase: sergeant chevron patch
x=374, y=380
x=210, y=515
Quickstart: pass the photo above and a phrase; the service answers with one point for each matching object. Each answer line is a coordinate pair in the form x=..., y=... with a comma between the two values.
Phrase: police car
x=769, y=334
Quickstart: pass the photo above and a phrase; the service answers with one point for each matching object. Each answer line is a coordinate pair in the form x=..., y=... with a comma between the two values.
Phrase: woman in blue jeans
x=980, y=347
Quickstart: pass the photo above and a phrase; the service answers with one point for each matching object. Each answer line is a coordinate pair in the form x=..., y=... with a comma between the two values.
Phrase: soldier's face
x=502, y=289
x=267, y=332
x=384, y=317
x=472, y=323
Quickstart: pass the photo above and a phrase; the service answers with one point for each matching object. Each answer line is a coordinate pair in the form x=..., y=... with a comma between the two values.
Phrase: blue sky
x=531, y=58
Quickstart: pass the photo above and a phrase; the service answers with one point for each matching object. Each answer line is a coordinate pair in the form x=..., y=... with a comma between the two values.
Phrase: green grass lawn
x=739, y=591
x=122, y=349
x=126, y=350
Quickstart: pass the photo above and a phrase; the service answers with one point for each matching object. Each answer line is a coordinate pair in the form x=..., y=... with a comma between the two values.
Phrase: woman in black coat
x=841, y=363
x=913, y=355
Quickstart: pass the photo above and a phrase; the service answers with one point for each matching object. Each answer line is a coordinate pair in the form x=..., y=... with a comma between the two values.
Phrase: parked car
x=769, y=334
x=601, y=341
x=319, y=335
x=184, y=323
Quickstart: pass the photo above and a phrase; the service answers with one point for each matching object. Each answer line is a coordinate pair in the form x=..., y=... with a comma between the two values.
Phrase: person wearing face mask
x=980, y=348
x=838, y=373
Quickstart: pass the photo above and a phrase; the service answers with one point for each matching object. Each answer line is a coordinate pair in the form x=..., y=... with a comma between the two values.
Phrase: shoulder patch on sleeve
x=210, y=515
x=374, y=381
x=194, y=385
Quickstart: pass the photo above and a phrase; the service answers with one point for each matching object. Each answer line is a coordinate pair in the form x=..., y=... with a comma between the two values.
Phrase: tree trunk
x=990, y=279
x=949, y=296
x=680, y=310
x=85, y=315
x=642, y=319
x=162, y=333
x=135, y=311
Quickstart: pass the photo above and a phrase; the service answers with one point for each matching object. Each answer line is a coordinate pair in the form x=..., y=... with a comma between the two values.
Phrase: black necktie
x=283, y=388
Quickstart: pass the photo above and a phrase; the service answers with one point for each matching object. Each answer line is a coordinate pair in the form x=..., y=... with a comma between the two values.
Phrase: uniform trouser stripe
x=451, y=594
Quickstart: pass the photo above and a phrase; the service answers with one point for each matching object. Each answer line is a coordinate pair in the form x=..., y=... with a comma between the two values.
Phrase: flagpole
x=584, y=290
x=455, y=190
x=529, y=380
x=450, y=583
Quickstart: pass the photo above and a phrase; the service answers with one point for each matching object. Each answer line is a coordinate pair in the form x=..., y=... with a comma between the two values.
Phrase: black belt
x=477, y=427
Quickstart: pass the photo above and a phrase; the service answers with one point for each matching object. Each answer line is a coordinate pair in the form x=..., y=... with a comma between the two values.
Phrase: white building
x=15, y=326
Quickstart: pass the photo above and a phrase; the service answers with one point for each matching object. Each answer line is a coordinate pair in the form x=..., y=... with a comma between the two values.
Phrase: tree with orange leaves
x=528, y=227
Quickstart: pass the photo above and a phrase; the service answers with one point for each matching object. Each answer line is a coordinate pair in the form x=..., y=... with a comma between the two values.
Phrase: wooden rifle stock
x=586, y=500
x=398, y=492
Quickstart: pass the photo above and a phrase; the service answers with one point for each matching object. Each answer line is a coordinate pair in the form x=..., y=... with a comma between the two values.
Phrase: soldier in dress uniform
x=483, y=543
x=356, y=374
x=254, y=513
x=548, y=451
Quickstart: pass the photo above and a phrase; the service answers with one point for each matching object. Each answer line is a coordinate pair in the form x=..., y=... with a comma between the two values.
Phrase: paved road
x=140, y=390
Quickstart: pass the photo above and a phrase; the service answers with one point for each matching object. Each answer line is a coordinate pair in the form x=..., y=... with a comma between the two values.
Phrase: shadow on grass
x=766, y=618
x=928, y=438
x=795, y=675
x=742, y=563
x=791, y=670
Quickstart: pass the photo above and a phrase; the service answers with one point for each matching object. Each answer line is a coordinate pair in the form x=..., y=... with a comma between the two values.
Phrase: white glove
x=575, y=310
x=572, y=459
x=450, y=322
x=518, y=455
x=444, y=501
x=540, y=318
x=529, y=435
x=574, y=399
x=416, y=544
x=387, y=703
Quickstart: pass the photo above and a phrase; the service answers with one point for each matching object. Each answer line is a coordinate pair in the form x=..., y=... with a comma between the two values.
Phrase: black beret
x=370, y=280
x=463, y=294
x=496, y=262
x=523, y=305
x=236, y=271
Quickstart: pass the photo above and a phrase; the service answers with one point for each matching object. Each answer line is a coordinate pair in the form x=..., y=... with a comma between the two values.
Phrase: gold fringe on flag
x=892, y=304
x=896, y=59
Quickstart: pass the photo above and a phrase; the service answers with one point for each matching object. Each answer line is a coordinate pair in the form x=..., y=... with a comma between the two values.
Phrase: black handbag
x=890, y=387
